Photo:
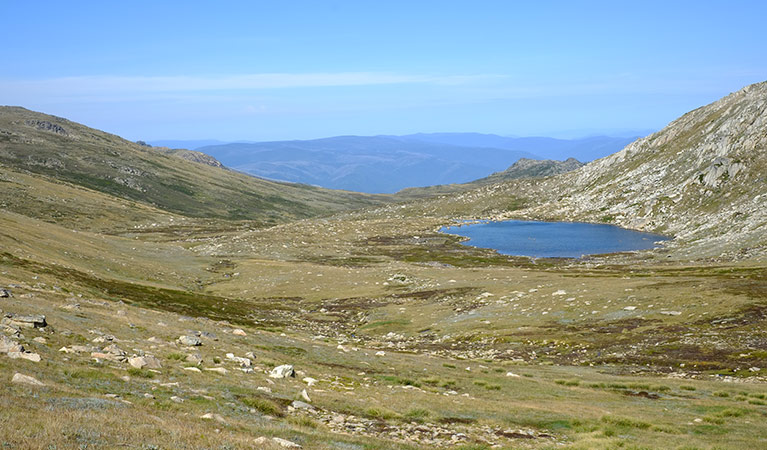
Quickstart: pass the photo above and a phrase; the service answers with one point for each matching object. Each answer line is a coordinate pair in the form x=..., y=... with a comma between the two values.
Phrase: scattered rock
x=239, y=332
x=309, y=381
x=559, y=292
x=34, y=357
x=219, y=370
x=194, y=358
x=279, y=441
x=191, y=341
x=40, y=340
x=26, y=379
x=283, y=371
x=212, y=416
x=380, y=353
x=298, y=404
x=177, y=399
x=305, y=396
x=5, y=293
x=244, y=362
x=630, y=308
x=193, y=369
x=671, y=313
x=27, y=321
x=9, y=345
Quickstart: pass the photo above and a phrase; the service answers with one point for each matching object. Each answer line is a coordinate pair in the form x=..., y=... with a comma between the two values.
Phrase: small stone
x=380, y=353
x=559, y=292
x=212, y=416
x=630, y=308
x=309, y=381
x=239, y=332
x=671, y=313
x=512, y=374
x=40, y=340
x=305, y=396
x=193, y=369
x=5, y=293
x=26, y=379
x=218, y=370
x=177, y=399
x=283, y=371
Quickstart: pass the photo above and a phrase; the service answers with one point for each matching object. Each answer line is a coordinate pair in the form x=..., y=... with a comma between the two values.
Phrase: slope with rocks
x=523, y=168
x=702, y=179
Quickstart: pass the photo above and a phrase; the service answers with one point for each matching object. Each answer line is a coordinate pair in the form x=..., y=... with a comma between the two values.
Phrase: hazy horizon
x=304, y=70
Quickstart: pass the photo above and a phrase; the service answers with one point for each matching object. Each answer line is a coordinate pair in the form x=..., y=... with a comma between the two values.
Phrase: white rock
x=309, y=381
x=239, y=332
x=193, y=369
x=559, y=292
x=512, y=374
x=380, y=353
x=672, y=313
x=305, y=396
x=283, y=371
x=630, y=308
x=212, y=416
x=26, y=379
x=219, y=370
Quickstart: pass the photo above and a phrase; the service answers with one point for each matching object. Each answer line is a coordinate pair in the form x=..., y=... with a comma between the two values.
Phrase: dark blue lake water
x=553, y=239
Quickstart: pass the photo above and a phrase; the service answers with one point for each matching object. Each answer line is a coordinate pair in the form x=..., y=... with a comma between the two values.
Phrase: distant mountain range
x=387, y=164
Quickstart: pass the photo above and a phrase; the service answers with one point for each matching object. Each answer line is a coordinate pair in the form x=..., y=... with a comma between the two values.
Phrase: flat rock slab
x=26, y=379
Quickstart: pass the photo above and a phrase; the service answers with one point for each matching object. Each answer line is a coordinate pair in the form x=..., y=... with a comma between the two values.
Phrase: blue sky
x=302, y=69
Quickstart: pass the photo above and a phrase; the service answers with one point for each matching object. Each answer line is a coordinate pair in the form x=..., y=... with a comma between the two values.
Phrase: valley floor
x=400, y=337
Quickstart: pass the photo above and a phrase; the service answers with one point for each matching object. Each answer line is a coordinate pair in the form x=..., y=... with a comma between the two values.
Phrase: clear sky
x=262, y=70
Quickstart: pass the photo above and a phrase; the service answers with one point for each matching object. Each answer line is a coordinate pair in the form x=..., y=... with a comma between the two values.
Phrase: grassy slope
x=66, y=151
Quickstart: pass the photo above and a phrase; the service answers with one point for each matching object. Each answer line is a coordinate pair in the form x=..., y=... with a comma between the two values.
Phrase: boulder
x=34, y=357
x=243, y=362
x=283, y=371
x=26, y=379
x=190, y=341
x=239, y=332
x=5, y=293
x=194, y=358
x=9, y=345
x=27, y=321
x=152, y=362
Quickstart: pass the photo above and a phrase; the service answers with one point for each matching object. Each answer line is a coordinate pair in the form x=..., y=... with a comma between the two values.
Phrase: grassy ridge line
x=64, y=150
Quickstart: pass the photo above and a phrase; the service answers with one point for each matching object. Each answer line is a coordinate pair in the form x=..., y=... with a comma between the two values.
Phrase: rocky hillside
x=63, y=151
x=702, y=179
x=532, y=168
